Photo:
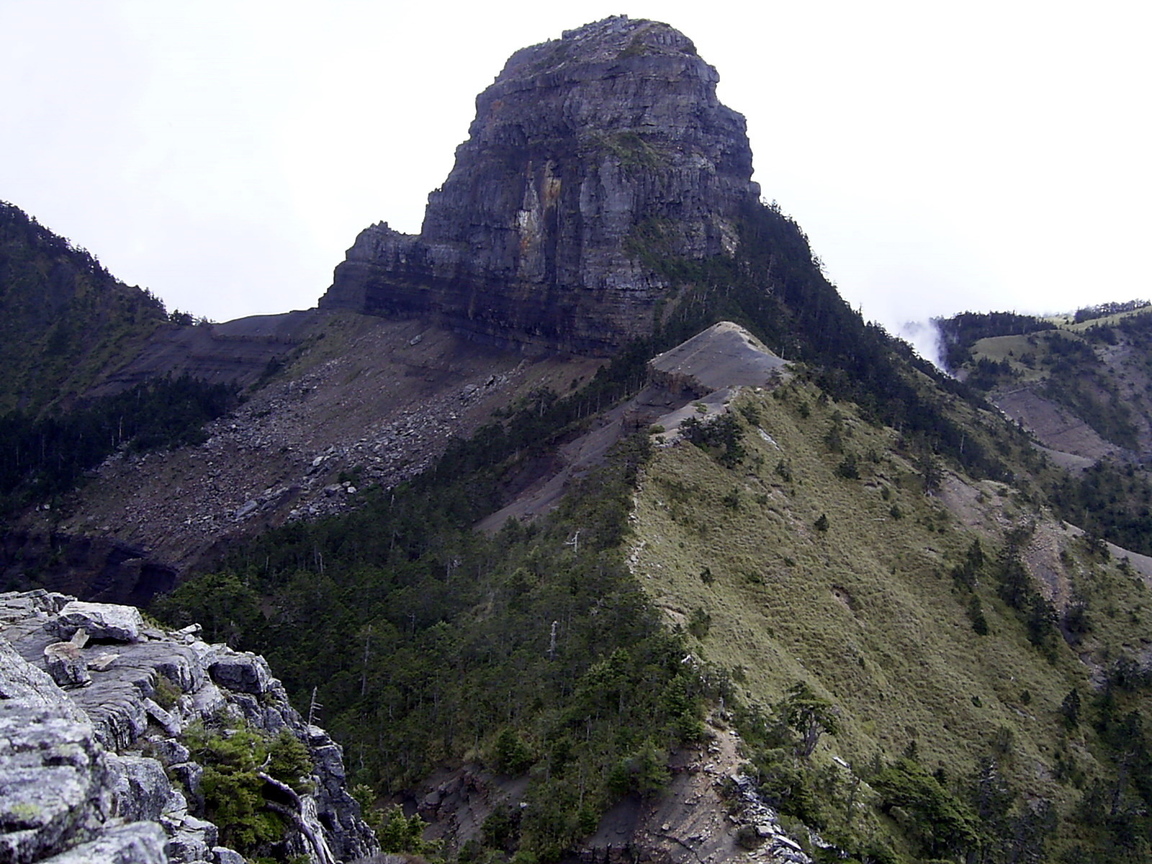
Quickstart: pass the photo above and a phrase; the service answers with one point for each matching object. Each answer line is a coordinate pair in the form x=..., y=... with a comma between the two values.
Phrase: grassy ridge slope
x=867, y=611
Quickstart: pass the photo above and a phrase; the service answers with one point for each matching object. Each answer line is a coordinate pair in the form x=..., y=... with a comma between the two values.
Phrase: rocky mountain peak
x=591, y=157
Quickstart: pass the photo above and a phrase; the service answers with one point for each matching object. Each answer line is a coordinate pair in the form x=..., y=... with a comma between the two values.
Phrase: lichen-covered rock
x=590, y=157
x=23, y=683
x=53, y=781
x=134, y=843
x=141, y=789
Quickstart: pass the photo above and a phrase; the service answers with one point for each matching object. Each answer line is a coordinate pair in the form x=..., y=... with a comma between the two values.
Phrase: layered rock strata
x=80, y=692
x=590, y=158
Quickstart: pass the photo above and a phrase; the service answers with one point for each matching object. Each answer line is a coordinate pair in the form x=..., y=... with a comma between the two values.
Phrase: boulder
x=101, y=621
x=66, y=665
x=163, y=718
x=224, y=855
x=140, y=787
x=241, y=673
x=170, y=751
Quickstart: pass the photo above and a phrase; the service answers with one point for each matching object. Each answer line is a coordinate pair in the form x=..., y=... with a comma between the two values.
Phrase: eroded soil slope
x=363, y=401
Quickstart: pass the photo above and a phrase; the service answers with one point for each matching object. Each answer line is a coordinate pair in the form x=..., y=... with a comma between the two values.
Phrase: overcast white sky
x=940, y=157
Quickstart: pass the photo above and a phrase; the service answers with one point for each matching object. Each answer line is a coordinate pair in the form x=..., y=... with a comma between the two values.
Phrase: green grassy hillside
x=820, y=559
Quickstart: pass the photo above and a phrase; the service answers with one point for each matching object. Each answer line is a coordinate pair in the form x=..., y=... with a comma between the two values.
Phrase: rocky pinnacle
x=591, y=159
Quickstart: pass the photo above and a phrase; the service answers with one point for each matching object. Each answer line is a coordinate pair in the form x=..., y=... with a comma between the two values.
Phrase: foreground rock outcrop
x=95, y=705
x=590, y=157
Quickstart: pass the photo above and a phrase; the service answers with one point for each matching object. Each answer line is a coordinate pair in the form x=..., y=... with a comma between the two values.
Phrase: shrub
x=501, y=830
x=400, y=835
x=976, y=616
x=939, y=821
x=512, y=755
x=699, y=623
x=165, y=692
x=785, y=782
x=848, y=468
x=233, y=757
x=720, y=435
x=644, y=772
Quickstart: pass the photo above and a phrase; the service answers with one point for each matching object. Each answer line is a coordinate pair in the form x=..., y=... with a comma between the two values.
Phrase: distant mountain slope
x=361, y=402
x=64, y=319
x=1082, y=384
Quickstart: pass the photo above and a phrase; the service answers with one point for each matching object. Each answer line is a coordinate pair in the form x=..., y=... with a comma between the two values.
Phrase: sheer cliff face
x=587, y=155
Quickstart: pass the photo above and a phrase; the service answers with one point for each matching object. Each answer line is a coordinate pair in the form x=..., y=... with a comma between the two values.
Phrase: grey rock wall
x=75, y=783
x=588, y=156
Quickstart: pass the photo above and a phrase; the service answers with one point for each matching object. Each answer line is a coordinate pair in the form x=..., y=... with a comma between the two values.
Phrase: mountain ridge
x=843, y=578
x=63, y=318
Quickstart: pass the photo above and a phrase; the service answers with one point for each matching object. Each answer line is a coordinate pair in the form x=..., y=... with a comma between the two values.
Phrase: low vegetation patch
x=249, y=782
